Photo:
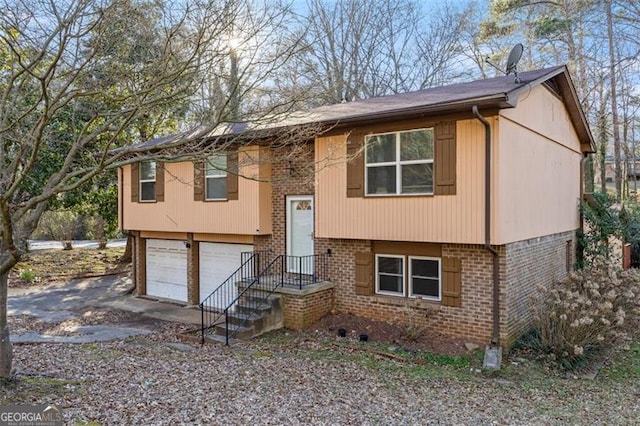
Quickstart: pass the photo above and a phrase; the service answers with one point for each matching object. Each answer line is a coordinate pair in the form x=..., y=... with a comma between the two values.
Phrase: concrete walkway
x=66, y=301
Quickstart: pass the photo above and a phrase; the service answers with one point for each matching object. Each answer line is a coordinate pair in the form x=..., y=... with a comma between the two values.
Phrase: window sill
x=398, y=195
x=216, y=200
x=412, y=302
x=147, y=201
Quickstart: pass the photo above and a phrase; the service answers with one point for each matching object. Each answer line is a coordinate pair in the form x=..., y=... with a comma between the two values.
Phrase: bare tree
x=614, y=100
x=68, y=93
x=356, y=49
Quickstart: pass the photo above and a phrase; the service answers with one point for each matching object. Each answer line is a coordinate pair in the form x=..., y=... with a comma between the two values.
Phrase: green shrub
x=27, y=275
x=586, y=313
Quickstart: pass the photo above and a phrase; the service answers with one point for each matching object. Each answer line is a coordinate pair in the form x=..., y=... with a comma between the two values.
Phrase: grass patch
x=29, y=389
x=51, y=265
x=456, y=361
x=625, y=365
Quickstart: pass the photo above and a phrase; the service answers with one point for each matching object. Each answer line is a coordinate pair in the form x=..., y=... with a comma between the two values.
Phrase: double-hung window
x=216, y=177
x=399, y=162
x=412, y=276
x=148, y=181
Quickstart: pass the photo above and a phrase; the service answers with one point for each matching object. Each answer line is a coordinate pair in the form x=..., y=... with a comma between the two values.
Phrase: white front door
x=300, y=233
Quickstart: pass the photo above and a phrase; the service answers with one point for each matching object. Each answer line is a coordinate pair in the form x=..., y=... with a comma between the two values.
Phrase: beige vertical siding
x=264, y=190
x=250, y=214
x=539, y=178
x=456, y=218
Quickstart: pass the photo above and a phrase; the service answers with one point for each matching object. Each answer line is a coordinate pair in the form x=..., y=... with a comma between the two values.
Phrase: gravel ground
x=295, y=378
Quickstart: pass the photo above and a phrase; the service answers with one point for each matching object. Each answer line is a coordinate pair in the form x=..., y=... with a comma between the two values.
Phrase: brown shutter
x=445, y=158
x=198, y=181
x=364, y=273
x=451, y=281
x=232, y=176
x=159, y=182
x=355, y=165
x=135, y=182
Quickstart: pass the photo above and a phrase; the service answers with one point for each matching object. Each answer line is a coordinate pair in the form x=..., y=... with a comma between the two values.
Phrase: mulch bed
x=381, y=332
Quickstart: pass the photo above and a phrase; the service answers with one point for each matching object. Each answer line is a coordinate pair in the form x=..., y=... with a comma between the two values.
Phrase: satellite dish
x=512, y=61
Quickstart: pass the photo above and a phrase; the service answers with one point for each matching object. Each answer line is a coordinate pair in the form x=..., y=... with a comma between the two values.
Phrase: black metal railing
x=252, y=291
x=299, y=271
x=214, y=306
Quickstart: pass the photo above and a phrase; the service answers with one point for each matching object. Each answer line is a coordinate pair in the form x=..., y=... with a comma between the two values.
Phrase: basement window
x=412, y=276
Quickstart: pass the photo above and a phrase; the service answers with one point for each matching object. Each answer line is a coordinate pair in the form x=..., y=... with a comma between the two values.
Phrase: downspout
x=120, y=200
x=495, y=340
x=579, y=250
x=134, y=264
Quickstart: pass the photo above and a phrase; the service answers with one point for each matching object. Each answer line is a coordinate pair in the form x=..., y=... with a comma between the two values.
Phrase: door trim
x=289, y=216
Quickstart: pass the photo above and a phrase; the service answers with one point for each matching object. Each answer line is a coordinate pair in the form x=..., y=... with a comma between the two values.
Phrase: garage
x=167, y=269
x=217, y=262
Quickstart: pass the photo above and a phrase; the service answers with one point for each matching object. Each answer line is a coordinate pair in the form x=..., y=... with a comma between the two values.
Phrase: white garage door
x=167, y=269
x=217, y=262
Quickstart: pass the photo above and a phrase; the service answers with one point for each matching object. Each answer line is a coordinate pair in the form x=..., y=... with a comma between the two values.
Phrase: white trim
x=141, y=181
x=217, y=176
x=410, y=276
x=288, y=201
x=404, y=287
x=398, y=163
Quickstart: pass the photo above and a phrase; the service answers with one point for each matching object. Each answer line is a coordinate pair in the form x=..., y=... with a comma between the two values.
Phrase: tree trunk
x=614, y=102
x=128, y=250
x=6, y=351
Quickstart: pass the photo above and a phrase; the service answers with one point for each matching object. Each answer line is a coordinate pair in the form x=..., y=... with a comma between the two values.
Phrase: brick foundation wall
x=193, y=270
x=301, y=311
x=522, y=266
x=140, y=261
x=472, y=321
x=538, y=261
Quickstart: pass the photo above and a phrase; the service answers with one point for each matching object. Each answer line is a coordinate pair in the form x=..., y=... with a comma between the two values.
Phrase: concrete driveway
x=60, y=302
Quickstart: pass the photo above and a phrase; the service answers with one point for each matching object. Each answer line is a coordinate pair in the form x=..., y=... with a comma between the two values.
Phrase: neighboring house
x=630, y=169
x=397, y=204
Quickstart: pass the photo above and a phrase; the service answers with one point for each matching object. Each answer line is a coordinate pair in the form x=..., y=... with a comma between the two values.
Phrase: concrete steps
x=253, y=315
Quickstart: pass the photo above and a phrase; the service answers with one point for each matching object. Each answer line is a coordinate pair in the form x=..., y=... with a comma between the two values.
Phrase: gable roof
x=498, y=92
x=491, y=93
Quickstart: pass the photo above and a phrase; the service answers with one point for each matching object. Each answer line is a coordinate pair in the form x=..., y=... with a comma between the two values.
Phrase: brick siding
x=530, y=263
x=140, y=272
x=301, y=311
x=523, y=265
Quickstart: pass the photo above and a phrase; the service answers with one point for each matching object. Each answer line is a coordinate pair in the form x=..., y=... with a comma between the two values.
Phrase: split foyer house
x=446, y=206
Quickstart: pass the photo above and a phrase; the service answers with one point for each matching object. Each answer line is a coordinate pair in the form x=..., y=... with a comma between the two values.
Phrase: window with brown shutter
x=410, y=270
x=198, y=181
x=445, y=158
x=364, y=273
x=148, y=176
x=451, y=281
x=135, y=182
x=415, y=172
x=355, y=165
x=217, y=178
x=160, y=182
x=232, y=176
